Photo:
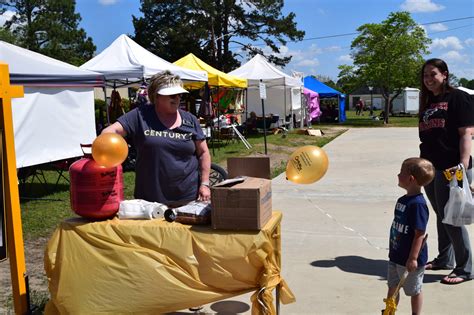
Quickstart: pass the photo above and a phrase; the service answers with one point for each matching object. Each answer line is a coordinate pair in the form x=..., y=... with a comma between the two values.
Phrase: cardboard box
x=244, y=205
x=253, y=166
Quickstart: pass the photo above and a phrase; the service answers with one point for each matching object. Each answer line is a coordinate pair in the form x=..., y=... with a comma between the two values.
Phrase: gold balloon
x=307, y=165
x=109, y=149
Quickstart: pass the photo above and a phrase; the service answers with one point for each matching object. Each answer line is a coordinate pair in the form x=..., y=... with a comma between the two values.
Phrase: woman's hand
x=450, y=172
x=204, y=193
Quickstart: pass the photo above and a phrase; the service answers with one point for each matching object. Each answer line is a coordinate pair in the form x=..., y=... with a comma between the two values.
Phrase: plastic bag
x=459, y=210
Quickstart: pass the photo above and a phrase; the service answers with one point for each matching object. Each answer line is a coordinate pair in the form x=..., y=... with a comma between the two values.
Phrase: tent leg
x=106, y=106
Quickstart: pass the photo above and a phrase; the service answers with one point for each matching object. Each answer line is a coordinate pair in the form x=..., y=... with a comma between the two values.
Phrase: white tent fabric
x=51, y=123
x=125, y=59
x=28, y=67
x=283, y=91
x=469, y=91
x=258, y=68
x=56, y=113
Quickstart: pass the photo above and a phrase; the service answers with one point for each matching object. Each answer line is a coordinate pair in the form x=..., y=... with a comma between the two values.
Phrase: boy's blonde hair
x=421, y=169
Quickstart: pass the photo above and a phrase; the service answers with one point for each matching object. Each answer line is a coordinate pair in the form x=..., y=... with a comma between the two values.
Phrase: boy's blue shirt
x=411, y=213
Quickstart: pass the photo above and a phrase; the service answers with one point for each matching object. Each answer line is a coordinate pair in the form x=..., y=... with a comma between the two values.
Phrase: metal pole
x=246, y=104
x=265, y=123
x=237, y=132
x=371, y=102
x=106, y=105
x=264, y=126
x=291, y=116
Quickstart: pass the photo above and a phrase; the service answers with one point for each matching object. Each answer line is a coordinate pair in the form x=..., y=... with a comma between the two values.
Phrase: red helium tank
x=96, y=191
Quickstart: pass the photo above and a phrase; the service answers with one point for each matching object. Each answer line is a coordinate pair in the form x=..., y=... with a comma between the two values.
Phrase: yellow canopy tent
x=216, y=77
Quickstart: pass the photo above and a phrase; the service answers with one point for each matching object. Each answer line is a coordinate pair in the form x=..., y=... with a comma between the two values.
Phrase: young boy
x=408, y=230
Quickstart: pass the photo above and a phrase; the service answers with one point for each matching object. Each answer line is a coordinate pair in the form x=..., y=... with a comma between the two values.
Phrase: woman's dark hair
x=443, y=67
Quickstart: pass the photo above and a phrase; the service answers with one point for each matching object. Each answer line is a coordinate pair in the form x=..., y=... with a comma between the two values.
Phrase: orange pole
x=11, y=196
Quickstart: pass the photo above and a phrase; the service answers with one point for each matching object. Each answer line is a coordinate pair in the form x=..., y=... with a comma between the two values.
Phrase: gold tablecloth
x=153, y=266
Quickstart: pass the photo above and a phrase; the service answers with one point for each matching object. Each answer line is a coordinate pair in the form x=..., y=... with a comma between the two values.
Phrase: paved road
x=335, y=232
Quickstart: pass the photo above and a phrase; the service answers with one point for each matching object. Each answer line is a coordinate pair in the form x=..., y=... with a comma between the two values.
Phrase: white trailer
x=407, y=102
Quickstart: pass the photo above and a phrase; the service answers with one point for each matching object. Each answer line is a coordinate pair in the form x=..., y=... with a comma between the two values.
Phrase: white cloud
x=438, y=27
x=314, y=49
x=283, y=50
x=469, y=42
x=463, y=72
x=450, y=42
x=108, y=2
x=308, y=63
x=414, y=6
x=7, y=15
x=454, y=56
x=345, y=58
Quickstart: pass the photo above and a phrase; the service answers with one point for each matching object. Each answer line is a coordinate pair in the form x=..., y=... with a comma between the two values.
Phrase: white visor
x=171, y=90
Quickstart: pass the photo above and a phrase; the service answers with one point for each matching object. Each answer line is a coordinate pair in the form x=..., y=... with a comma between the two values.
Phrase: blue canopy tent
x=325, y=91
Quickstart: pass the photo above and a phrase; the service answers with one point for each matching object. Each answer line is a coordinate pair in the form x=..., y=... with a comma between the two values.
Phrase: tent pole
x=338, y=108
x=303, y=110
x=218, y=116
x=246, y=104
x=264, y=123
x=129, y=95
x=106, y=105
x=290, y=127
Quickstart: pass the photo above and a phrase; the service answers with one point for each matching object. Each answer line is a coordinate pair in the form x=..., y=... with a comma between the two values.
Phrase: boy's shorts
x=413, y=282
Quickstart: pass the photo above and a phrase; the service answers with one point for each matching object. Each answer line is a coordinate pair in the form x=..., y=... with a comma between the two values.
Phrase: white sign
x=263, y=91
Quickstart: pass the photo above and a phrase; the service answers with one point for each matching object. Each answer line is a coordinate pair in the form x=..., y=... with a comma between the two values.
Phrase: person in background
x=446, y=120
x=406, y=250
x=360, y=107
x=173, y=160
x=251, y=123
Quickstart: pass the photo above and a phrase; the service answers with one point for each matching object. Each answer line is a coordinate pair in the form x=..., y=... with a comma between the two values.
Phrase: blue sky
x=105, y=20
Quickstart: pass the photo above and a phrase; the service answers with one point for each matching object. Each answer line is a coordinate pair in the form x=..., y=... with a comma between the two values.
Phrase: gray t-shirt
x=167, y=166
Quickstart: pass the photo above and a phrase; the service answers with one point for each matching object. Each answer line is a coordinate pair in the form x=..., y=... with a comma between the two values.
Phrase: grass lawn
x=366, y=121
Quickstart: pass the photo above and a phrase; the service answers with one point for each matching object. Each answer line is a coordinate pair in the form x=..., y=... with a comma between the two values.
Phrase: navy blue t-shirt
x=167, y=166
x=411, y=212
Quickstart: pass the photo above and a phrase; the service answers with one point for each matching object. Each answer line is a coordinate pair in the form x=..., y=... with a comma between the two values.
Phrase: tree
x=389, y=55
x=453, y=79
x=50, y=27
x=466, y=83
x=172, y=29
x=347, y=79
x=7, y=36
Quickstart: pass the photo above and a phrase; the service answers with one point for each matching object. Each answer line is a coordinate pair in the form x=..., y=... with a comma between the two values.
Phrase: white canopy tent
x=469, y=91
x=283, y=91
x=125, y=59
x=56, y=114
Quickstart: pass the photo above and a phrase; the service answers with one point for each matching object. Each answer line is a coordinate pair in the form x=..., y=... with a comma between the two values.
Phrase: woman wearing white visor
x=173, y=160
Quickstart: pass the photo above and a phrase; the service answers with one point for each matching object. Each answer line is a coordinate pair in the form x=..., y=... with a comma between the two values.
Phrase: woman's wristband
x=206, y=183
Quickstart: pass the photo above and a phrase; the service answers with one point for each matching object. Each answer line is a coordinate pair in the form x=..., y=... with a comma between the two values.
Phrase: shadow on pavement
x=228, y=307
x=356, y=264
x=362, y=265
